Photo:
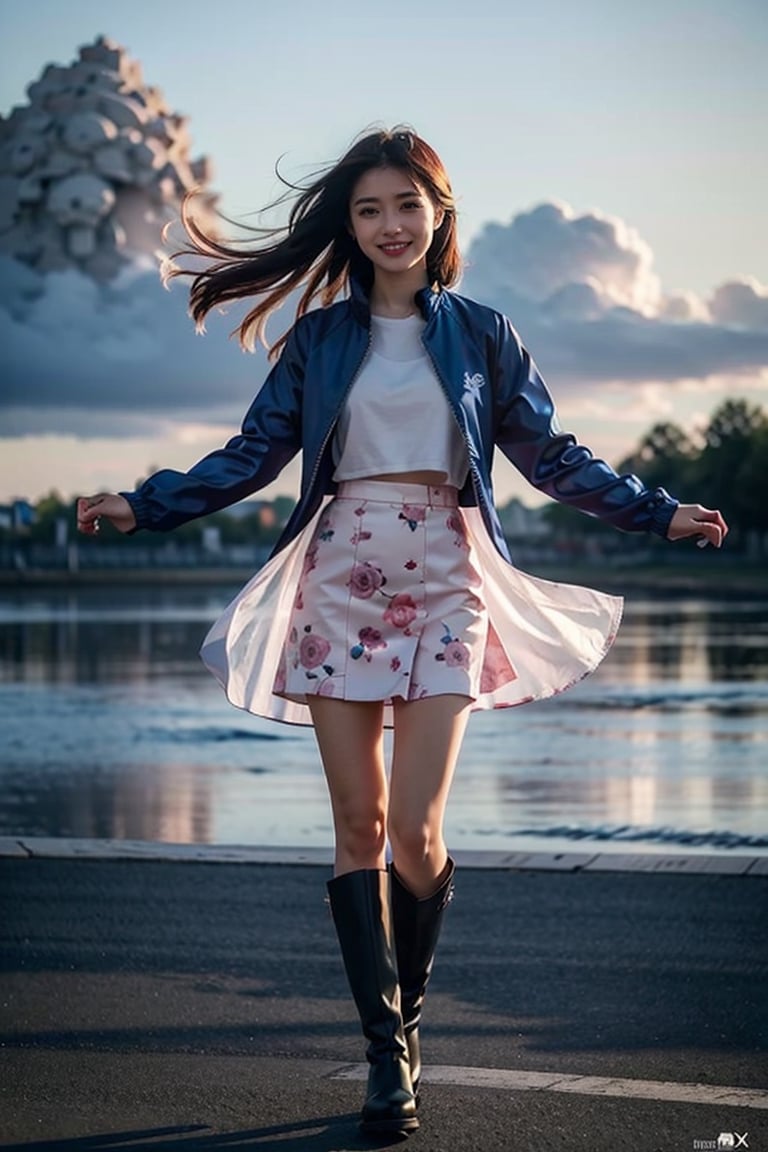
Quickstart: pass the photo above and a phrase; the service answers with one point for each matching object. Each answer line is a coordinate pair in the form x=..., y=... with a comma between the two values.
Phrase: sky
x=611, y=176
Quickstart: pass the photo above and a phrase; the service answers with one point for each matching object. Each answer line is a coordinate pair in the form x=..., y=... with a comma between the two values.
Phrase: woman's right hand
x=116, y=509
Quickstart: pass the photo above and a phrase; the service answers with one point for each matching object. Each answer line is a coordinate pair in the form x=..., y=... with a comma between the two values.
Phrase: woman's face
x=392, y=219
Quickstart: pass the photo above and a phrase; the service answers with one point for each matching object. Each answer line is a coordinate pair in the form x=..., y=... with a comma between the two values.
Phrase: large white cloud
x=544, y=251
x=121, y=360
x=582, y=292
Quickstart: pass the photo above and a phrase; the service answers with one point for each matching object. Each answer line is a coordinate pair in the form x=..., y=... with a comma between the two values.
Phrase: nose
x=392, y=226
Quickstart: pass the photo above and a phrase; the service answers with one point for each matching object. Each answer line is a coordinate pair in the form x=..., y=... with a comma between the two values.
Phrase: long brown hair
x=315, y=248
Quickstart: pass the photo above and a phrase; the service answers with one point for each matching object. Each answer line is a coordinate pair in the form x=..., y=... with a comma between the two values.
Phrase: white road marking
x=510, y=1080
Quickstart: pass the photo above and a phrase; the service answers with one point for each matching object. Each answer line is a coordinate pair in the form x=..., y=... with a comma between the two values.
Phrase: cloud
x=74, y=353
x=582, y=292
x=741, y=302
x=547, y=250
x=123, y=359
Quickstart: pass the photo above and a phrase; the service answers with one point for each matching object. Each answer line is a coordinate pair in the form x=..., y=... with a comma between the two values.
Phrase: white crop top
x=396, y=417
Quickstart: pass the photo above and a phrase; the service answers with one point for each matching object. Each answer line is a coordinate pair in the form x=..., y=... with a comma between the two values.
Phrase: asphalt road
x=185, y=1007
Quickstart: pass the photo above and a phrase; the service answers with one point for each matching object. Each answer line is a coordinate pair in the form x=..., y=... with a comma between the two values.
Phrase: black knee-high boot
x=417, y=929
x=361, y=909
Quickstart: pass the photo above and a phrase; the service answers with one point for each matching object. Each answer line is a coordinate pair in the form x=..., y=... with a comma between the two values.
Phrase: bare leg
x=351, y=746
x=349, y=735
x=428, y=736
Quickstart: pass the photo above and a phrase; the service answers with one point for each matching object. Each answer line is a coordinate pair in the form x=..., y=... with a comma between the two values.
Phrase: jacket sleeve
x=269, y=438
x=529, y=434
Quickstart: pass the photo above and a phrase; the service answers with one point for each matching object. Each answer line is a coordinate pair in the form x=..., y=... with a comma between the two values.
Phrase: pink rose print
x=358, y=536
x=313, y=650
x=395, y=663
x=401, y=611
x=496, y=669
x=413, y=514
x=365, y=580
x=417, y=692
x=310, y=560
x=371, y=638
x=457, y=654
x=326, y=687
x=455, y=523
x=410, y=565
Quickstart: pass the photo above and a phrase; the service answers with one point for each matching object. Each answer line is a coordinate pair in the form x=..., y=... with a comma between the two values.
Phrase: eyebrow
x=376, y=199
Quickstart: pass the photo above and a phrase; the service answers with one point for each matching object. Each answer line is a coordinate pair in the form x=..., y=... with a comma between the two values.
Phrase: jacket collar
x=429, y=300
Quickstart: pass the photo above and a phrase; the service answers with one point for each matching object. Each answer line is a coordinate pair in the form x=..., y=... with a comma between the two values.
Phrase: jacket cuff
x=140, y=509
x=662, y=508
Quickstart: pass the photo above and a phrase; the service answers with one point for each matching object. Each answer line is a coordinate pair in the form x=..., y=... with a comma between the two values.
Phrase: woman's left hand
x=693, y=520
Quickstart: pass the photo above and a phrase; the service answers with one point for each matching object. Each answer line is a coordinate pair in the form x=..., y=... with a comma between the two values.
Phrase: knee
x=361, y=836
x=413, y=841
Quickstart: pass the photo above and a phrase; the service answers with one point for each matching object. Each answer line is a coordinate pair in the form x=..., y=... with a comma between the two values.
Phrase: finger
x=707, y=526
x=722, y=524
x=715, y=516
x=88, y=508
x=710, y=533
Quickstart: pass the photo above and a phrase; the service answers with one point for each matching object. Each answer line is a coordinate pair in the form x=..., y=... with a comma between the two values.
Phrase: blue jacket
x=495, y=393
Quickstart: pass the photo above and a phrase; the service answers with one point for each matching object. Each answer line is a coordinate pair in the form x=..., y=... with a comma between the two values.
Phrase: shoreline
x=518, y=857
x=722, y=582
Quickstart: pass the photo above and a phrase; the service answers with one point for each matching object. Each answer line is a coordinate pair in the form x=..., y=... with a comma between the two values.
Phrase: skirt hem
x=553, y=634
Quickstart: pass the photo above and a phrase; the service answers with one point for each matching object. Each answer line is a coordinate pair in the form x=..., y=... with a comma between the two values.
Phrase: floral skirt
x=367, y=599
x=390, y=600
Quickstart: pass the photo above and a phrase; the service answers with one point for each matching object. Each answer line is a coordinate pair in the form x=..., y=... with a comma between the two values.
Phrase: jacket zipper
x=339, y=409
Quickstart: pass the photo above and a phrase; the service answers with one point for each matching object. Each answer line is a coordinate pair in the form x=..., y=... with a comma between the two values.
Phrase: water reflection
x=693, y=641
x=113, y=728
x=134, y=802
x=84, y=636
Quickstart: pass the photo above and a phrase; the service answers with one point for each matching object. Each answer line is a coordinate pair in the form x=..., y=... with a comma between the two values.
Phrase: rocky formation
x=93, y=167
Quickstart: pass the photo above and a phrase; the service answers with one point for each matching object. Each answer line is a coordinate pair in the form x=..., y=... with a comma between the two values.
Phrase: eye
x=412, y=204
x=367, y=211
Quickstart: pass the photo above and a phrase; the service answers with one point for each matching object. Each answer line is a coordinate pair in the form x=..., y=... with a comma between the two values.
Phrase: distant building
x=522, y=523
x=17, y=516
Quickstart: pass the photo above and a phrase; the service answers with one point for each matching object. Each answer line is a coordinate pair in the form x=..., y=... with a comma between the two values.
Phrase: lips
x=394, y=249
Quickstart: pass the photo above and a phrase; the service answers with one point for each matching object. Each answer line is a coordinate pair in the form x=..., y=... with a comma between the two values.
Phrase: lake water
x=112, y=728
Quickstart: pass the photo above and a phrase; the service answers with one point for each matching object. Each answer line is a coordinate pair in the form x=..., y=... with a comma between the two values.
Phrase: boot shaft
x=362, y=914
x=361, y=909
x=417, y=925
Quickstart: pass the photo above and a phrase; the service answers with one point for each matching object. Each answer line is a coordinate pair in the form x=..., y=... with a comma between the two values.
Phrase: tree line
x=725, y=466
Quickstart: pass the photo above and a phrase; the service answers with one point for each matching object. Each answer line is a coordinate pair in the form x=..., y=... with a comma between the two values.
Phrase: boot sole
x=390, y=1127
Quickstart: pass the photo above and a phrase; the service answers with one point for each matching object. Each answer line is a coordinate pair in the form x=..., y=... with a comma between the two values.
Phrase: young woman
x=394, y=603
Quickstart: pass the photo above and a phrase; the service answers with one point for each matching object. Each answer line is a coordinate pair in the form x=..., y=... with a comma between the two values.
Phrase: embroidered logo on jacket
x=473, y=383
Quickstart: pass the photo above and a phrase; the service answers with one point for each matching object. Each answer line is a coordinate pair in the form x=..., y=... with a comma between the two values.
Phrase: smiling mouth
x=395, y=249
